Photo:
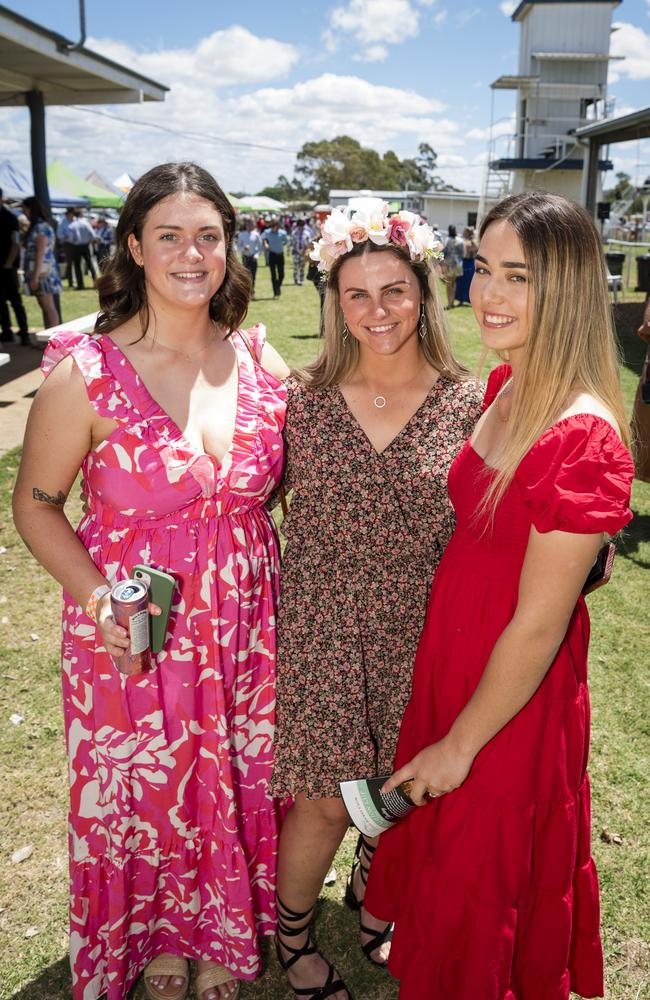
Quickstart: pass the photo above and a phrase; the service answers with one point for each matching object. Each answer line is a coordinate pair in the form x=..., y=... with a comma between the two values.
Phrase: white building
x=561, y=85
x=444, y=208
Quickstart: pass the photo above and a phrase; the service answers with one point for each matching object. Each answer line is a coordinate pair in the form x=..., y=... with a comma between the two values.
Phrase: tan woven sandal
x=216, y=975
x=167, y=965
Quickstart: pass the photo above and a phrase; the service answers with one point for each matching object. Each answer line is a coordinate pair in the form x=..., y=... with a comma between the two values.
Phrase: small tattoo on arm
x=57, y=501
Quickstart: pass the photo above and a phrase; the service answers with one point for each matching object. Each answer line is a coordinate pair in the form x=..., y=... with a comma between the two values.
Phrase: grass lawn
x=33, y=779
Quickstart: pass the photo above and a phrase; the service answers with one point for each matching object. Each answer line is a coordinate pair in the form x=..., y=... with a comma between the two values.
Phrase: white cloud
x=465, y=16
x=284, y=117
x=634, y=44
x=226, y=58
x=504, y=127
x=373, y=24
x=374, y=53
x=508, y=7
x=440, y=18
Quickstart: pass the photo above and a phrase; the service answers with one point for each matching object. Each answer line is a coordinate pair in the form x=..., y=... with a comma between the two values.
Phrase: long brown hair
x=340, y=356
x=122, y=288
x=571, y=345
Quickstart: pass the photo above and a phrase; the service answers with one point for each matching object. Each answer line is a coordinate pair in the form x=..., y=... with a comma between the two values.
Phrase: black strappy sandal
x=333, y=983
x=377, y=938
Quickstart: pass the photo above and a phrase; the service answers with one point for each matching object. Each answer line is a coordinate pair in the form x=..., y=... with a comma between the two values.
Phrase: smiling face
x=500, y=292
x=183, y=251
x=380, y=297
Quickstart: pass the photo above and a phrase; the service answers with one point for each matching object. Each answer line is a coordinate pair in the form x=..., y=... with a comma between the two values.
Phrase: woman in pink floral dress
x=175, y=417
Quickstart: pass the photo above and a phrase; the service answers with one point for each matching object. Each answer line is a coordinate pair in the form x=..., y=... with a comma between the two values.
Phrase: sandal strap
x=167, y=965
x=333, y=983
x=377, y=938
x=363, y=863
x=216, y=975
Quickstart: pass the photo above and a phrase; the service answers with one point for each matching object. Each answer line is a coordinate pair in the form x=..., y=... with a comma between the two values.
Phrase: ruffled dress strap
x=578, y=477
x=104, y=392
x=496, y=380
x=254, y=339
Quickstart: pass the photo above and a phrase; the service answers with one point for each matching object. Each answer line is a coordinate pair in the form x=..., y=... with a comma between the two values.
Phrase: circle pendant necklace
x=380, y=402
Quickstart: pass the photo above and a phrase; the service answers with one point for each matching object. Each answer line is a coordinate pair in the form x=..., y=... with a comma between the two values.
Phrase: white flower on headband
x=367, y=219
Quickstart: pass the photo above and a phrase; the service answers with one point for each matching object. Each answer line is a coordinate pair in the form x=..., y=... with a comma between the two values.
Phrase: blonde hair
x=340, y=356
x=571, y=345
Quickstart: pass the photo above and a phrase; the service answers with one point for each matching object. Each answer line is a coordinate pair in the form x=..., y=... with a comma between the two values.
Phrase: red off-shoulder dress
x=492, y=887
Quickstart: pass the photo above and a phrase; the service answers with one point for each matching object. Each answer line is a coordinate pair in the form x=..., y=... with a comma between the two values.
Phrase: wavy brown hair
x=340, y=357
x=122, y=287
x=571, y=345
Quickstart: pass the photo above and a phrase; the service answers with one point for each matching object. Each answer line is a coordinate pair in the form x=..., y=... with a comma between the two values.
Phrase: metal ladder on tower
x=496, y=185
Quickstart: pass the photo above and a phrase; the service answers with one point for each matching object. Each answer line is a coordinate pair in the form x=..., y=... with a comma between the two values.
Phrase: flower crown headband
x=367, y=219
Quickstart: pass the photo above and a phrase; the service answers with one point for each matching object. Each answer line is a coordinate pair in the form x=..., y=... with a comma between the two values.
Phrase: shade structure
x=124, y=182
x=94, y=178
x=62, y=177
x=259, y=203
x=16, y=186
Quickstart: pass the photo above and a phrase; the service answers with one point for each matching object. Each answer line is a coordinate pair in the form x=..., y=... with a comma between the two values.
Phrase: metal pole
x=36, y=106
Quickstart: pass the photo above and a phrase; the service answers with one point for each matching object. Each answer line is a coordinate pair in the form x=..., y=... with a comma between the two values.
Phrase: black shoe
x=333, y=983
x=377, y=938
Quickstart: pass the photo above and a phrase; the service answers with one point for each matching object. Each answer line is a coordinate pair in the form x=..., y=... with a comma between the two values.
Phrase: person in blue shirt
x=276, y=239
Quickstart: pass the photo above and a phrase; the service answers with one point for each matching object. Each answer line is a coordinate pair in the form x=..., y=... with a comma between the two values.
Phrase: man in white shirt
x=83, y=236
x=249, y=245
x=66, y=240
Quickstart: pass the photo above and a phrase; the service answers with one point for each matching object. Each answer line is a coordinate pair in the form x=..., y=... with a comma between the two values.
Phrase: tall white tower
x=561, y=84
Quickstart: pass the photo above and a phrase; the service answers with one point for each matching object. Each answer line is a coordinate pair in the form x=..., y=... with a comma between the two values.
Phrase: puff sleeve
x=578, y=478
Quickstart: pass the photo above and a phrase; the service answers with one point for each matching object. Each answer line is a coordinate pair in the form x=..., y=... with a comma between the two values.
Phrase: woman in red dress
x=491, y=883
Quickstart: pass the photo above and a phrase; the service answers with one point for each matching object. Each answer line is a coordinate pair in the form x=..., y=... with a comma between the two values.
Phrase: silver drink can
x=129, y=603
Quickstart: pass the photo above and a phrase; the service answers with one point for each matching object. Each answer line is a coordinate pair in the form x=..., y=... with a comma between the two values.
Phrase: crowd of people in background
x=45, y=252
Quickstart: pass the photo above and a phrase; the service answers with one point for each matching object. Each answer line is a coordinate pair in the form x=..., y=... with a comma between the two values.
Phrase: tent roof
x=33, y=58
x=94, y=178
x=16, y=186
x=259, y=203
x=64, y=178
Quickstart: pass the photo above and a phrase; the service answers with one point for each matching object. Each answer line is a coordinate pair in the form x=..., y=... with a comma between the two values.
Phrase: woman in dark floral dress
x=372, y=429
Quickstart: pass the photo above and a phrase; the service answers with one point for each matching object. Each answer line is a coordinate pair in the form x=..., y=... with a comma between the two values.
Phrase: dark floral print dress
x=365, y=533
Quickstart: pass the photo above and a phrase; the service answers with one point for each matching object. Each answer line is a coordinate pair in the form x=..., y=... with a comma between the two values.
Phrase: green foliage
x=343, y=163
x=622, y=189
x=283, y=190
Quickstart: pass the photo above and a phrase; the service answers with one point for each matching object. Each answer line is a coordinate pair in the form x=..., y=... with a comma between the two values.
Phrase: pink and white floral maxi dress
x=172, y=828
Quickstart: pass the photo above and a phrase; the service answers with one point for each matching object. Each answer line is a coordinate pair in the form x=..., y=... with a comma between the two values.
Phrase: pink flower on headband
x=367, y=219
x=397, y=231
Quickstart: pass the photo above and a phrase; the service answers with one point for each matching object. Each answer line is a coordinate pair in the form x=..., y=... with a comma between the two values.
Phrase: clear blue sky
x=391, y=73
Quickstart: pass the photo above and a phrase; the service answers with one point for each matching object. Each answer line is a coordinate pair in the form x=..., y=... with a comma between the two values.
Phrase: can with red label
x=129, y=603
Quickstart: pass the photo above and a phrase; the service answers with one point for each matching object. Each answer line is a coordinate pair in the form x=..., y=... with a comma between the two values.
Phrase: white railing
x=82, y=325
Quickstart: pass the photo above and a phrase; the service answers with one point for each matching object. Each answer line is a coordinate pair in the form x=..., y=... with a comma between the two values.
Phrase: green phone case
x=161, y=592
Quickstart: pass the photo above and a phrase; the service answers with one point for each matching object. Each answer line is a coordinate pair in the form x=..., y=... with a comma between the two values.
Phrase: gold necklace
x=177, y=350
x=380, y=400
x=506, y=391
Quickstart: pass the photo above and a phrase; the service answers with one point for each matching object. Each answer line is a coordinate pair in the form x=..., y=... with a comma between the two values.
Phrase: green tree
x=343, y=163
x=283, y=190
x=621, y=191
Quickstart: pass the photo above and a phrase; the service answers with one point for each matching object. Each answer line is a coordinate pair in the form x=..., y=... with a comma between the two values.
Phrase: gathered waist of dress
x=403, y=556
x=201, y=509
x=486, y=554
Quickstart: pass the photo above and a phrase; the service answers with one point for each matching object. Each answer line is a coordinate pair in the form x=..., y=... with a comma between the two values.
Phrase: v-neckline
x=379, y=454
x=180, y=435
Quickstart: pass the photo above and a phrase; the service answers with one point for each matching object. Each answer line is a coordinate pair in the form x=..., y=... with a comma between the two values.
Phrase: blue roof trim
x=541, y=163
